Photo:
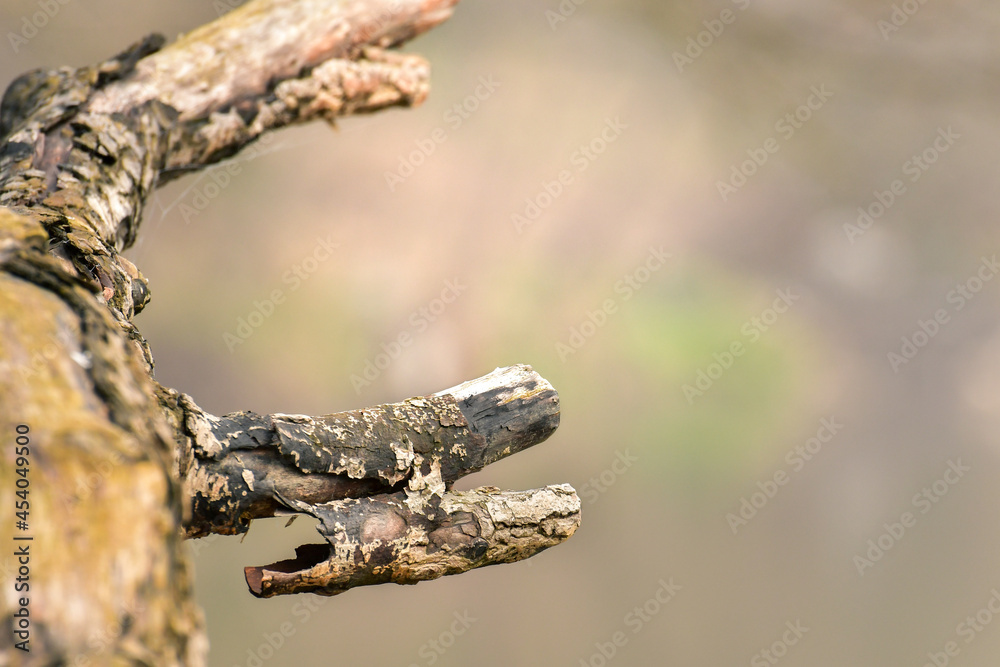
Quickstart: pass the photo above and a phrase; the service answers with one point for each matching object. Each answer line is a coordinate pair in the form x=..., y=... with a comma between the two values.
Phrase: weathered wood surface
x=121, y=467
x=246, y=466
x=395, y=538
x=379, y=480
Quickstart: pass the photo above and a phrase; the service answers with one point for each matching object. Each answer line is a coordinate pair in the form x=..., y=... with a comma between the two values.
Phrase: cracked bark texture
x=245, y=466
x=123, y=468
x=379, y=480
x=386, y=539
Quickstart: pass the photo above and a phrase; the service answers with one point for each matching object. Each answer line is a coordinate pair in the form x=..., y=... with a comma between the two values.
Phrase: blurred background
x=750, y=243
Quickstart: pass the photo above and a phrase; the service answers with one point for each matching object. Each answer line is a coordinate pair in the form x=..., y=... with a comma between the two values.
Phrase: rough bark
x=246, y=466
x=121, y=468
x=391, y=538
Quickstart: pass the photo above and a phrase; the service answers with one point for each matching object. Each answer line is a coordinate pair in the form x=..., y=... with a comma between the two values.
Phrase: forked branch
x=379, y=480
x=80, y=152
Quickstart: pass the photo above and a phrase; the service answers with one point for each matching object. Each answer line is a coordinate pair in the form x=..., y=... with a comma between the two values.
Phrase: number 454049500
x=22, y=452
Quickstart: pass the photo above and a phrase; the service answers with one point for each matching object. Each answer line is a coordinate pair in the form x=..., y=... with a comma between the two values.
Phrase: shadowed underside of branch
x=122, y=468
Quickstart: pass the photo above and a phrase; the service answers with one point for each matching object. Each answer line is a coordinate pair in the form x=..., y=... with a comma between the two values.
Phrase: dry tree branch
x=80, y=152
x=385, y=473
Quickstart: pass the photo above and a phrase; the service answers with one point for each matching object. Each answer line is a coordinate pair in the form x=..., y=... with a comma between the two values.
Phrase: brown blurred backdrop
x=739, y=138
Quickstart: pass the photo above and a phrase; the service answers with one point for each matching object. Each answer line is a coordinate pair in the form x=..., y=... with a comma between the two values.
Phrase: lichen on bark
x=124, y=468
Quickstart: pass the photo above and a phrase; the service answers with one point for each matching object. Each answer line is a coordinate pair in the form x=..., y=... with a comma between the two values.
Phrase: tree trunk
x=104, y=472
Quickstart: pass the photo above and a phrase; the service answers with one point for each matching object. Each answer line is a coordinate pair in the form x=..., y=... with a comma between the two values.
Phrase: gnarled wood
x=121, y=467
x=390, y=539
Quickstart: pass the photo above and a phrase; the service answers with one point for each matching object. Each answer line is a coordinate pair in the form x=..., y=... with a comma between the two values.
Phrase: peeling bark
x=246, y=466
x=123, y=468
x=385, y=539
